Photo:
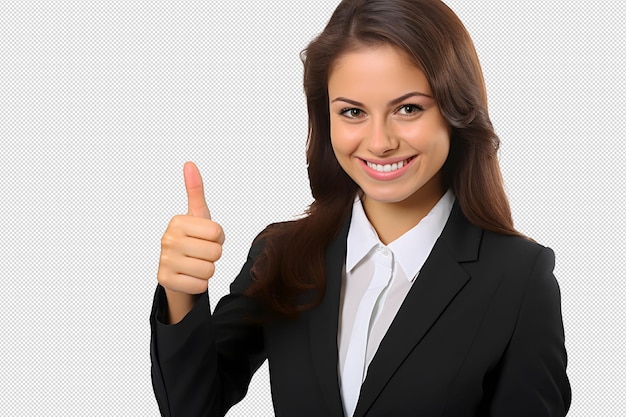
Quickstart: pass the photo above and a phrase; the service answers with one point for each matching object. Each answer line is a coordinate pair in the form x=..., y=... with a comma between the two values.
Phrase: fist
x=191, y=244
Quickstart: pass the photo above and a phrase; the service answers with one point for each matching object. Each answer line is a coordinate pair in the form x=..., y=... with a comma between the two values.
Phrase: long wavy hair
x=292, y=260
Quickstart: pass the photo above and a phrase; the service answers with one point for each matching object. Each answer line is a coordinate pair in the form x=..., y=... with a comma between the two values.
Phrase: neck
x=392, y=220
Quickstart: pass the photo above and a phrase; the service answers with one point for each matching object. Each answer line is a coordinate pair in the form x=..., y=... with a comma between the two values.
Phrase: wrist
x=178, y=305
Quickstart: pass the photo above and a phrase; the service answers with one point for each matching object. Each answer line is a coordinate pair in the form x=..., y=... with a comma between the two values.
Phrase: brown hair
x=292, y=262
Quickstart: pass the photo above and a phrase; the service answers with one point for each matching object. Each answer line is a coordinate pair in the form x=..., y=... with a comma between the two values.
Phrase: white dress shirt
x=376, y=280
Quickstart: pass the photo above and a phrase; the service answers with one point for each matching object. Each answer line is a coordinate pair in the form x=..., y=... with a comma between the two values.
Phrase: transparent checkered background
x=101, y=103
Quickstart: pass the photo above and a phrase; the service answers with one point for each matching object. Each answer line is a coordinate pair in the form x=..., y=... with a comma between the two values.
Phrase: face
x=386, y=129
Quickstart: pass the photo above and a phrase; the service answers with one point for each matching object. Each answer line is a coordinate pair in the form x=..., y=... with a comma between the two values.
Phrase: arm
x=531, y=378
x=200, y=366
x=203, y=364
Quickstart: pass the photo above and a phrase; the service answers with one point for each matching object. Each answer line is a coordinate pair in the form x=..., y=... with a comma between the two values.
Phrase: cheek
x=438, y=151
x=441, y=136
x=343, y=138
x=432, y=140
x=441, y=144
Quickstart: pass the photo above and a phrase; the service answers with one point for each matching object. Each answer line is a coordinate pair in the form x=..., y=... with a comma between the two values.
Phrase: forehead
x=381, y=68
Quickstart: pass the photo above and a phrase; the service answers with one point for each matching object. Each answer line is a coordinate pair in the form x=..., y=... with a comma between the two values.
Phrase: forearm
x=179, y=304
x=183, y=359
x=202, y=365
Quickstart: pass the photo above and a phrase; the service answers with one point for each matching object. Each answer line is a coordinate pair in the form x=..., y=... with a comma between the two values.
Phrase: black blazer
x=479, y=334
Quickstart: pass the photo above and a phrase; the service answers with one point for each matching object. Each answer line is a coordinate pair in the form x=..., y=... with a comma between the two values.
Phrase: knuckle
x=210, y=270
x=164, y=279
x=167, y=240
x=177, y=221
x=166, y=262
x=217, y=252
x=215, y=230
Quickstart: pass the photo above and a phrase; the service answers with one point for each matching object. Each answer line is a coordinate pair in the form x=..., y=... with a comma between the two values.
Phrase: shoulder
x=271, y=232
x=488, y=250
x=514, y=250
x=496, y=258
x=515, y=244
x=519, y=267
x=263, y=245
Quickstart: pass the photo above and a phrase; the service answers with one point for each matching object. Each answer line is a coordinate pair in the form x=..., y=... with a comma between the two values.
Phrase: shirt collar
x=411, y=249
x=361, y=236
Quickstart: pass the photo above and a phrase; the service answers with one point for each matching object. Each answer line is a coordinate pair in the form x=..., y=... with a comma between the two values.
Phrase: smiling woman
x=405, y=290
x=392, y=141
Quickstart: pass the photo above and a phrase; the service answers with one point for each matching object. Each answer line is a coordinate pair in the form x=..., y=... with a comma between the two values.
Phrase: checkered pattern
x=102, y=102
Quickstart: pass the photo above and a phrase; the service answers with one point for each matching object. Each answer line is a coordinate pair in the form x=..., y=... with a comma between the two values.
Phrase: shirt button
x=385, y=251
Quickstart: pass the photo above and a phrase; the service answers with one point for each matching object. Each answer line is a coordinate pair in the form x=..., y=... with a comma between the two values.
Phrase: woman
x=405, y=291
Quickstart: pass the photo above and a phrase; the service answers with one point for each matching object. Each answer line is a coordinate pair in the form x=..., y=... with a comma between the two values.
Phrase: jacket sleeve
x=203, y=365
x=532, y=379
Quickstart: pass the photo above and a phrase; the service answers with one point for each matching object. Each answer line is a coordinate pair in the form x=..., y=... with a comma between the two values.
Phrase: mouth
x=389, y=167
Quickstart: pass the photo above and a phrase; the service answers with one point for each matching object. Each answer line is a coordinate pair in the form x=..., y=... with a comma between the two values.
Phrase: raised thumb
x=196, y=204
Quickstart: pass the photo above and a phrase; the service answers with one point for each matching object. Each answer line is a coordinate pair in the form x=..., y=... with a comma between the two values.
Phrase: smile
x=389, y=167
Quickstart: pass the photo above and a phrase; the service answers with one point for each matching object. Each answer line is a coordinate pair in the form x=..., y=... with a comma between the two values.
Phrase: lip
x=388, y=160
x=387, y=176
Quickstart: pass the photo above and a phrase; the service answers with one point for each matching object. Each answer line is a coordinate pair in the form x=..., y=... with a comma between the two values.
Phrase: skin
x=375, y=117
x=382, y=111
x=190, y=246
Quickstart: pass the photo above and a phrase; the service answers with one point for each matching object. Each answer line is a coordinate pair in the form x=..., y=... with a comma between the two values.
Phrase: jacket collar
x=438, y=282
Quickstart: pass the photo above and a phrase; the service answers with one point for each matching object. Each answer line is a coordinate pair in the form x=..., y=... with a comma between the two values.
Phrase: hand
x=190, y=246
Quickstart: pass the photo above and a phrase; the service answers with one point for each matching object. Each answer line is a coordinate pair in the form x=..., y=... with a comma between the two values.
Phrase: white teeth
x=388, y=167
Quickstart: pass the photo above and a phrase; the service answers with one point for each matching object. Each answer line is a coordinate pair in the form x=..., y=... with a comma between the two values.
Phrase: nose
x=380, y=140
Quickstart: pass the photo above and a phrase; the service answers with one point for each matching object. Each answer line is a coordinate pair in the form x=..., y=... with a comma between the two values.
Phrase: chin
x=387, y=197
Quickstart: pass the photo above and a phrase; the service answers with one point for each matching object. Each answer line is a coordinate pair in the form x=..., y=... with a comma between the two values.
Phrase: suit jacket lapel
x=440, y=279
x=324, y=324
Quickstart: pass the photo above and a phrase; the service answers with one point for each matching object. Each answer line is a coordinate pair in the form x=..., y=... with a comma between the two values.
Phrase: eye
x=410, y=109
x=351, y=113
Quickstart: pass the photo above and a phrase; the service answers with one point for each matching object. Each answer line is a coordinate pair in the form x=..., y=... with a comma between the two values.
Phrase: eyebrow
x=390, y=104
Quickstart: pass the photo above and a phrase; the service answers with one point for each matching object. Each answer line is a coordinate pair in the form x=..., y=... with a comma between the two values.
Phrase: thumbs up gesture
x=190, y=246
x=195, y=192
